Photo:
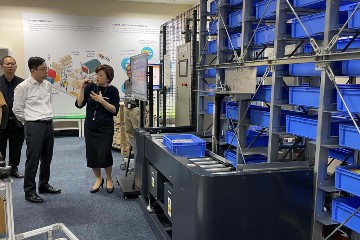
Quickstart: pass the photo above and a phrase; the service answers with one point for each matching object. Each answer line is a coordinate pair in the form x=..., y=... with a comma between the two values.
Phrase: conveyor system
x=207, y=198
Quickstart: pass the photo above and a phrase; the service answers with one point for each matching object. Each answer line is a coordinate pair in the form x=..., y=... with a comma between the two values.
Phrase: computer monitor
x=156, y=75
x=139, y=76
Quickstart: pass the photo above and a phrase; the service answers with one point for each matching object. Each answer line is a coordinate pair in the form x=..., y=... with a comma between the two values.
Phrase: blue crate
x=261, y=141
x=351, y=68
x=347, y=178
x=235, y=2
x=349, y=136
x=341, y=154
x=261, y=116
x=317, y=4
x=213, y=7
x=232, y=110
x=304, y=96
x=270, y=11
x=265, y=35
x=212, y=88
x=306, y=126
x=210, y=73
x=351, y=97
x=212, y=46
x=313, y=23
x=249, y=159
x=235, y=19
x=303, y=70
x=185, y=149
x=235, y=39
x=210, y=108
x=213, y=27
x=261, y=70
x=355, y=20
x=341, y=210
x=264, y=93
x=342, y=42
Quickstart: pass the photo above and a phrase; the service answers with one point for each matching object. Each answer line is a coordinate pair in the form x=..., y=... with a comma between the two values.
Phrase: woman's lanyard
x=97, y=104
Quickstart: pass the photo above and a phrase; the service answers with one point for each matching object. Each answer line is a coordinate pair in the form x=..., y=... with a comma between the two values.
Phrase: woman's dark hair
x=109, y=71
x=35, y=62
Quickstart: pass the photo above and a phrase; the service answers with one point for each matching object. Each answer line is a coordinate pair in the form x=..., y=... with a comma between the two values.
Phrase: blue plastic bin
x=342, y=42
x=341, y=154
x=211, y=87
x=210, y=73
x=261, y=116
x=194, y=148
x=212, y=46
x=347, y=178
x=210, y=108
x=304, y=96
x=342, y=208
x=264, y=93
x=261, y=141
x=313, y=23
x=213, y=7
x=306, y=126
x=351, y=68
x=235, y=2
x=317, y=4
x=265, y=35
x=261, y=70
x=232, y=110
x=355, y=20
x=352, y=99
x=235, y=19
x=235, y=39
x=249, y=159
x=303, y=70
x=349, y=136
x=213, y=27
x=270, y=11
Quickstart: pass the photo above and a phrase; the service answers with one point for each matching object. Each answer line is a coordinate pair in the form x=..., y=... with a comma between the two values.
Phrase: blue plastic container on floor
x=306, y=126
x=261, y=7
x=185, y=145
x=213, y=27
x=212, y=46
x=210, y=73
x=261, y=141
x=235, y=39
x=342, y=208
x=235, y=19
x=264, y=93
x=341, y=154
x=265, y=35
x=355, y=20
x=235, y=2
x=349, y=136
x=347, y=178
x=352, y=99
x=313, y=23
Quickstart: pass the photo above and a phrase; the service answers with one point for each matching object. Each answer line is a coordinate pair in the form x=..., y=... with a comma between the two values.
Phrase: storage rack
x=324, y=58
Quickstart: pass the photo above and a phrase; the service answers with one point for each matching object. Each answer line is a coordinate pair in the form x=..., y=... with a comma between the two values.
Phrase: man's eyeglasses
x=9, y=64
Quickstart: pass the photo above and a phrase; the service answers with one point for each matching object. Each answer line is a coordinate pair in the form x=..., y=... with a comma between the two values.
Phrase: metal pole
x=194, y=51
x=151, y=96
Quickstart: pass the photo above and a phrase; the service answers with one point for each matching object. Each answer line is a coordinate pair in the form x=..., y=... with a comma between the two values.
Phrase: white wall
x=11, y=32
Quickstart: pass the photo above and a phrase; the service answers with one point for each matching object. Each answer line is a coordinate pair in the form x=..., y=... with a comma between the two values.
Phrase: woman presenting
x=102, y=104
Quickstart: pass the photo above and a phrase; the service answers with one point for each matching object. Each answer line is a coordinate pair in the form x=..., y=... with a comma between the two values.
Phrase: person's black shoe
x=17, y=174
x=34, y=198
x=49, y=189
x=5, y=172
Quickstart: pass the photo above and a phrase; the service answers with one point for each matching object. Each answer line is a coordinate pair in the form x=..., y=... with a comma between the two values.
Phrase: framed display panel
x=139, y=76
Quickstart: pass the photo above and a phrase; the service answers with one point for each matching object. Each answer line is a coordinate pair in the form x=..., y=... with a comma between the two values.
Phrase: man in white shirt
x=32, y=106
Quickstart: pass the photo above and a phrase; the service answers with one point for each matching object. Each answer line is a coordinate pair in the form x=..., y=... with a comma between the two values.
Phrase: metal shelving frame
x=324, y=58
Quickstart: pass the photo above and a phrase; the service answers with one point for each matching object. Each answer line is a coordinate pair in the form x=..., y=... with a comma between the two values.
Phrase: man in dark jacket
x=10, y=128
